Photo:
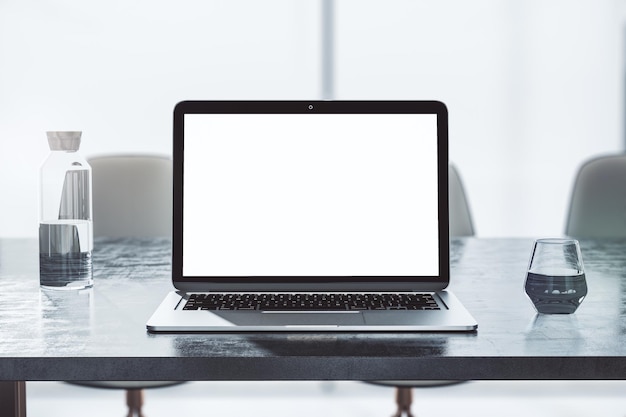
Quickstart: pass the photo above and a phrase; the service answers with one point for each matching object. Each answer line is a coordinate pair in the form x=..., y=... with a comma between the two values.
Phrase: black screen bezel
x=310, y=283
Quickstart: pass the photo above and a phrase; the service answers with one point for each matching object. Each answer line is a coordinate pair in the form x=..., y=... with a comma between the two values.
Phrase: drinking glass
x=555, y=281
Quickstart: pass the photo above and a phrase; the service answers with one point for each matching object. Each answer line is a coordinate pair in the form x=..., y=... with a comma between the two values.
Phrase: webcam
x=310, y=107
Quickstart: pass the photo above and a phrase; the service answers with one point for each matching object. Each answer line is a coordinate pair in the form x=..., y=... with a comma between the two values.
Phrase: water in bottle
x=65, y=223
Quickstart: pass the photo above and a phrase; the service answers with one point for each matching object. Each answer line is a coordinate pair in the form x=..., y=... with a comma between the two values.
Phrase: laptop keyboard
x=311, y=302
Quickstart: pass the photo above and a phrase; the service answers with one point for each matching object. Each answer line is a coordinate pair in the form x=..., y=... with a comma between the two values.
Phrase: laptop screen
x=319, y=194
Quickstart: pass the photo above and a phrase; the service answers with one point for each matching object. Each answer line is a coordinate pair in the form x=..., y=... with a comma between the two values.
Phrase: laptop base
x=170, y=317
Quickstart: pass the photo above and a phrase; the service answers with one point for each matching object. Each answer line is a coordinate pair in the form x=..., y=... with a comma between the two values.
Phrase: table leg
x=12, y=399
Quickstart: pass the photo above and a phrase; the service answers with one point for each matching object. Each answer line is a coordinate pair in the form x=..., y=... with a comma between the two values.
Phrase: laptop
x=310, y=216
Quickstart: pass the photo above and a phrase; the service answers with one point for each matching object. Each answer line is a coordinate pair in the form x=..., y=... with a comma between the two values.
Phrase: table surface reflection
x=100, y=334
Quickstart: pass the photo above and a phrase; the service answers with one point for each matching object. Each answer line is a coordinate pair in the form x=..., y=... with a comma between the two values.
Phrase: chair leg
x=404, y=398
x=134, y=400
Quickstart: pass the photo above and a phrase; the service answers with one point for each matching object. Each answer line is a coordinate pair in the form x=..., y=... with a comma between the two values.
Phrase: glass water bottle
x=65, y=216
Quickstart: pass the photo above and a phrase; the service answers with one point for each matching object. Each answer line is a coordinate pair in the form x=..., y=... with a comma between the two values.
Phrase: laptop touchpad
x=311, y=318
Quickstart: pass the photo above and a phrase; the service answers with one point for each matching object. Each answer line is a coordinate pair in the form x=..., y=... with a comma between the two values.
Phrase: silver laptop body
x=310, y=199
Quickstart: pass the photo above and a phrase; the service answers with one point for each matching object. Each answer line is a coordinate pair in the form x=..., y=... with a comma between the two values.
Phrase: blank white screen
x=310, y=195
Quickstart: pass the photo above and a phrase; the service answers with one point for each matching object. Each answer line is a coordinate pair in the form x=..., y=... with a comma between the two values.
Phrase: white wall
x=533, y=87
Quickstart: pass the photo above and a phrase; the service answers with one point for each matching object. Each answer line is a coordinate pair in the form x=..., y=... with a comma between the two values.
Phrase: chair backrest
x=460, y=216
x=132, y=195
x=598, y=202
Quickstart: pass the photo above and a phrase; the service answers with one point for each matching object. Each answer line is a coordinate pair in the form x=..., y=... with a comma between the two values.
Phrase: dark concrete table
x=100, y=334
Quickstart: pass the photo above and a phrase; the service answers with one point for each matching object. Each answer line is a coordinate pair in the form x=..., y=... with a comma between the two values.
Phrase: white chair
x=460, y=216
x=132, y=197
x=598, y=201
x=460, y=223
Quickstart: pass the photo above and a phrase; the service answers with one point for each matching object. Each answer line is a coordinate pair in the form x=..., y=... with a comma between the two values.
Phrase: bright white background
x=298, y=195
x=533, y=87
